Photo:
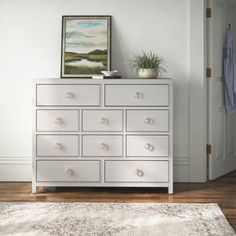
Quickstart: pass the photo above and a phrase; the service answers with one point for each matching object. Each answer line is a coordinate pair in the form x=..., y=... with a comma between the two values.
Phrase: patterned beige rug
x=85, y=219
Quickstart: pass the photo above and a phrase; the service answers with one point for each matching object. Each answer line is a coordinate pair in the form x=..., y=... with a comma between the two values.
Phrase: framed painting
x=86, y=46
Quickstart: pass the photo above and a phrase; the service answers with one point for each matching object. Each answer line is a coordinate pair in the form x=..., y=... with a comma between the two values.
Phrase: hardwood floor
x=221, y=191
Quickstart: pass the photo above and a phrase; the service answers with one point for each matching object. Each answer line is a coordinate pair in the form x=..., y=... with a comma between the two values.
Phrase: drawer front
x=57, y=120
x=136, y=171
x=57, y=145
x=68, y=95
x=144, y=145
x=102, y=145
x=102, y=120
x=81, y=171
x=136, y=95
x=147, y=120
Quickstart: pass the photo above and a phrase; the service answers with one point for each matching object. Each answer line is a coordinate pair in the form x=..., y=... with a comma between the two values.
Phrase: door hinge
x=208, y=72
x=208, y=149
x=208, y=12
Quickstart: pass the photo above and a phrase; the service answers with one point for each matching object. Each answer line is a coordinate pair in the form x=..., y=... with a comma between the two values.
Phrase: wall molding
x=181, y=169
x=15, y=169
x=18, y=160
x=181, y=161
x=20, y=169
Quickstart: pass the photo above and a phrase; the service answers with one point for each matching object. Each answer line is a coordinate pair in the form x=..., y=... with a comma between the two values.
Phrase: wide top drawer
x=136, y=95
x=68, y=95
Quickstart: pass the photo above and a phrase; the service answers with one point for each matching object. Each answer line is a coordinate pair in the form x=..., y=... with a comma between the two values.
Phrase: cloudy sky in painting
x=83, y=36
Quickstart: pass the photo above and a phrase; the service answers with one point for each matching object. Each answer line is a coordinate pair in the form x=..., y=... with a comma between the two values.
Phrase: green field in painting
x=83, y=70
x=71, y=56
x=93, y=56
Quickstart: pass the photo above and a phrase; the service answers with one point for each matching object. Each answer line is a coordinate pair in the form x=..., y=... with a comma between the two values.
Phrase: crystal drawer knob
x=138, y=95
x=138, y=172
x=58, y=146
x=58, y=121
x=69, y=95
x=103, y=121
x=148, y=121
x=103, y=146
x=69, y=172
x=149, y=147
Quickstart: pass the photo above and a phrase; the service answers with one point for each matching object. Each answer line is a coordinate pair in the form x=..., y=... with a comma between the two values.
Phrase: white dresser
x=114, y=132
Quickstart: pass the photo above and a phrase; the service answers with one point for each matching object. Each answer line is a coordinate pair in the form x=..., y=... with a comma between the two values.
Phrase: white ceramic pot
x=147, y=73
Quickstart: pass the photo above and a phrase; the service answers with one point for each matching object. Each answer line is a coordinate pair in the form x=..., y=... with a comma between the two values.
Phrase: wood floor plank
x=221, y=191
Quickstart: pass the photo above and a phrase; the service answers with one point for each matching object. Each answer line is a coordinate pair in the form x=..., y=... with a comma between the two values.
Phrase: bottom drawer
x=81, y=171
x=136, y=171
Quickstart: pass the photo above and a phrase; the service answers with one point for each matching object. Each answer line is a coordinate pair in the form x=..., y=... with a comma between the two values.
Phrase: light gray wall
x=197, y=96
x=30, y=48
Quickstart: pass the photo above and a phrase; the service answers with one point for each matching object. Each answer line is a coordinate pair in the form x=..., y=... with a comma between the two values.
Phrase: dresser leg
x=34, y=188
x=170, y=190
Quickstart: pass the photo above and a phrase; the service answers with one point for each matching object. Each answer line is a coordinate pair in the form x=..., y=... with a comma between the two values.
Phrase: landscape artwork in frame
x=86, y=46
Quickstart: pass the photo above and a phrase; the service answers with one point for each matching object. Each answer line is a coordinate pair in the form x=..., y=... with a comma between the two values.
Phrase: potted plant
x=148, y=65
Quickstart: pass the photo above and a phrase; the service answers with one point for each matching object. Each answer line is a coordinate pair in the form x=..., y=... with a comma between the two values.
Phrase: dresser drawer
x=81, y=171
x=144, y=145
x=147, y=120
x=136, y=171
x=57, y=120
x=68, y=95
x=136, y=95
x=102, y=120
x=57, y=145
x=102, y=145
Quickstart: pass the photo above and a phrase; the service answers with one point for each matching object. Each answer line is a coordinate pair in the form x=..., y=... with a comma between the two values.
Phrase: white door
x=221, y=126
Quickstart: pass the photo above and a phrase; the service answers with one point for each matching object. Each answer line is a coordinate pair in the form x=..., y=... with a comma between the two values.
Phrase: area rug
x=128, y=219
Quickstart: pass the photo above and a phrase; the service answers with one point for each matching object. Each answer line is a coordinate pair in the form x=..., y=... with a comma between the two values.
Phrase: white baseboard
x=19, y=169
x=181, y=169
x=15, y=169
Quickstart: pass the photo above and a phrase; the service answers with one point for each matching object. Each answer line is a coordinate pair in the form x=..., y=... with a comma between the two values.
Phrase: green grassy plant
x=148, y=60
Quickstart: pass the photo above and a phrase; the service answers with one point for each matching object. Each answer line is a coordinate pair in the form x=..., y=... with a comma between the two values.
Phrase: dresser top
x=104, y=81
